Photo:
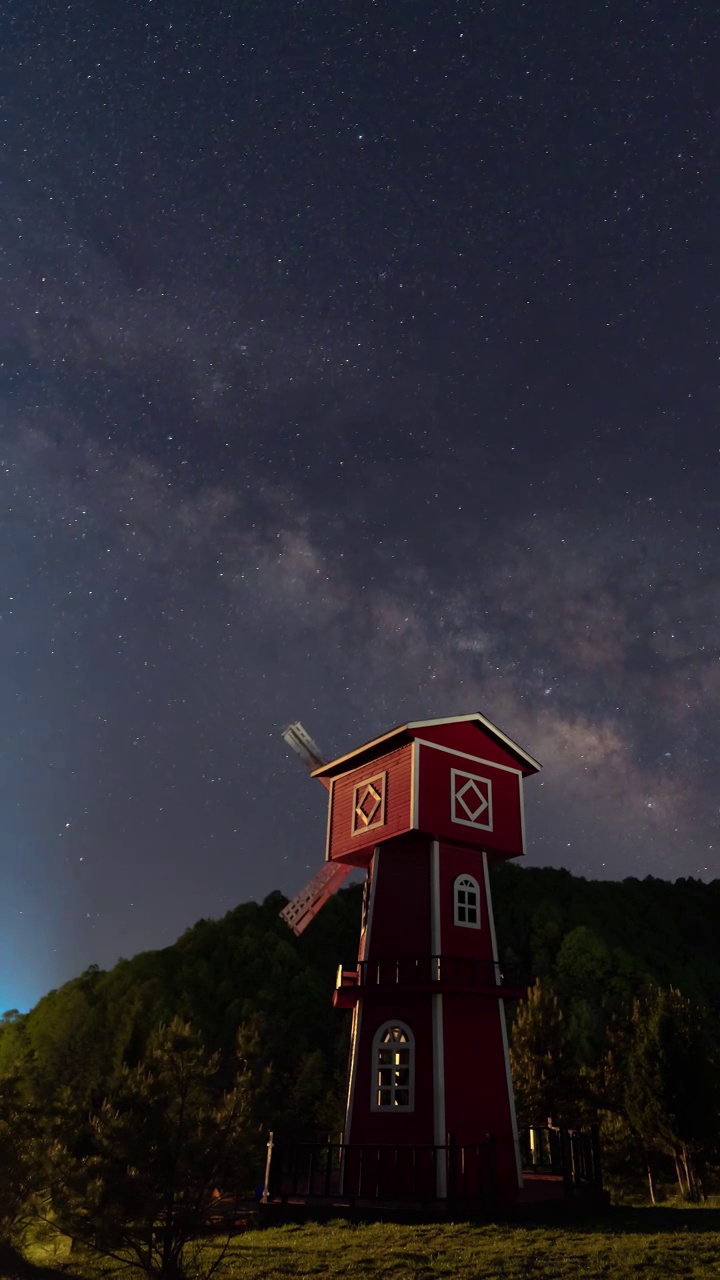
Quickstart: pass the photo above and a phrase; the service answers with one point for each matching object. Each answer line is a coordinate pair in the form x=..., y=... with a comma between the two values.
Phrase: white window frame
x=379, y=1045
x=463, y=884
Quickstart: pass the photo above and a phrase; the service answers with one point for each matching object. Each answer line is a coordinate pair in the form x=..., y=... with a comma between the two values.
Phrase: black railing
x=557, y=1151
x=453, y=1172
x=379, y=1172
x=457, y=971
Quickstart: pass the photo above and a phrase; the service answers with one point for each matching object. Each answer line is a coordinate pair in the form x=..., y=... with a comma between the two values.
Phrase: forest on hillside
x=621, y=1026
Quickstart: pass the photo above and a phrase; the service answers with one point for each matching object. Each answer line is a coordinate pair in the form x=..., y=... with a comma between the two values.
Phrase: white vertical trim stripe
x=503, y=1026
x=352, y=1073
x=522, y=813
x=357, y=1011
x=511, y=1095
x=373, y=873
x=491, y=918
x=328, y=833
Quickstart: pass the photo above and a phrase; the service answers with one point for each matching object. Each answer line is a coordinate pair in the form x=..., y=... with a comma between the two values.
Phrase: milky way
x=359, y=364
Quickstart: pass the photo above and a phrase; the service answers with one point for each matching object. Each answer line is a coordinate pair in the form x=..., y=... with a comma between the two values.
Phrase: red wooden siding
x=399, y=926
x=477, y=1101
x=401, y=901
x=467, y=736
x=457, y=940
x=474, y=1099
x=435, y=809
x=357, y=848
x=391, y=1127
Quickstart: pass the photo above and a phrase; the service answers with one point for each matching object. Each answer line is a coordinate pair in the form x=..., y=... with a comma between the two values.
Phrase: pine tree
x=139, y=1182
x=624, y=1146
x=17, y=1154
x=671, y=1095
x=543, y=1072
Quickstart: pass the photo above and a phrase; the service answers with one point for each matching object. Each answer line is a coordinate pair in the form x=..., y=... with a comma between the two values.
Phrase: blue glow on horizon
x=23, y=1001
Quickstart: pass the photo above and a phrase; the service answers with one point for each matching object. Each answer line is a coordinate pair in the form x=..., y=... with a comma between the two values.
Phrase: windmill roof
x=412, y=729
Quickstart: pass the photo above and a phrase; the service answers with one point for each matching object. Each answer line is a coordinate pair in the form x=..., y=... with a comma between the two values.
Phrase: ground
x=644, y=1244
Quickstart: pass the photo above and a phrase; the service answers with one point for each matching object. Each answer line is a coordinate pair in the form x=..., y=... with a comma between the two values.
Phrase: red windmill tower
x=425, y=810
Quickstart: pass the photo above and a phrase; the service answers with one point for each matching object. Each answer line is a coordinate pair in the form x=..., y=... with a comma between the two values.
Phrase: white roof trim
x=427, y=724
x=423, y=724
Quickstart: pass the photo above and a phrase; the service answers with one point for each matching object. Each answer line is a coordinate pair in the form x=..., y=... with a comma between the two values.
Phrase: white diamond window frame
x=359, y=820
x=460, y=785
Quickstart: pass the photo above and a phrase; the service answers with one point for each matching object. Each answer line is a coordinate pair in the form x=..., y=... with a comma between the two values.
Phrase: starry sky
x=358, y=363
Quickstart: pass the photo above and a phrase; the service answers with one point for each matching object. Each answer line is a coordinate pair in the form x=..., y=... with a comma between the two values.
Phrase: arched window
x=467, y=902
x=393, y=1080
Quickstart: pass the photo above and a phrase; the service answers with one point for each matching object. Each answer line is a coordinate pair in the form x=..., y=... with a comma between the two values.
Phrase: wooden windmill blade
x=304, y=746
x=305, y=905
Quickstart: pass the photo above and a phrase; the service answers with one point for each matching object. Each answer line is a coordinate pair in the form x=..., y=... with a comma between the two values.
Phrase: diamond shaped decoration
x=470, y=794
x=369, y=804
x=471, y=800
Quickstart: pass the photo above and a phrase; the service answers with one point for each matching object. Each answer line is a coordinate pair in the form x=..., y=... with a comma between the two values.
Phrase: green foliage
x=18, y=1155
x=547, y=1077
x=655, y=931
x=249, y=986
x=138, y=1184
x=244, y=972
x=671, y=1094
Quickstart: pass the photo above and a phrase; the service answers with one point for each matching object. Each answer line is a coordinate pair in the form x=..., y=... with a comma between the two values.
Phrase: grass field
x=622, y=1249
x=644, y=1244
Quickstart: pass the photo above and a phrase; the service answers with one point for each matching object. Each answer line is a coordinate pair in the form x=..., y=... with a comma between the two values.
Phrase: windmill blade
x=304, y=746
x=305, y=905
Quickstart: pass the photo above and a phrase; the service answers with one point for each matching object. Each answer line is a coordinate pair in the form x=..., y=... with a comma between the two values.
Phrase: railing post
x=579, y=1151
x=555, y=1148
x=596, y=1156
x=451, y=1167
x=532, y=1145
x=567, y=1161
x=268, y=1167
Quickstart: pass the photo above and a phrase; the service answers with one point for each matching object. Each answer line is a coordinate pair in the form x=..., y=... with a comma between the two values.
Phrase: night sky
x=359, y=364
